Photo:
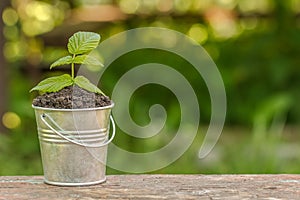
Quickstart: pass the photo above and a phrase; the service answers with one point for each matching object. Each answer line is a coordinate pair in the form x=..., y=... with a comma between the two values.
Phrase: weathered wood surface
x=158, y=187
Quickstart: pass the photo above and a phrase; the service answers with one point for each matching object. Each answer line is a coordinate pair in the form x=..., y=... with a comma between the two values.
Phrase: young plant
x=79, y=45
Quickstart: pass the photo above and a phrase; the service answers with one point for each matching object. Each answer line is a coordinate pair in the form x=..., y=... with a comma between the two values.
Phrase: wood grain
x=158, y=187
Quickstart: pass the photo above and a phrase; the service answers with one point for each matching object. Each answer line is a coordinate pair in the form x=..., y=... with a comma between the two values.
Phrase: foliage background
x=255, y=44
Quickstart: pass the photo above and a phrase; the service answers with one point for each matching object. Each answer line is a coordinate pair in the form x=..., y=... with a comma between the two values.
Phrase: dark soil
x=72, y=97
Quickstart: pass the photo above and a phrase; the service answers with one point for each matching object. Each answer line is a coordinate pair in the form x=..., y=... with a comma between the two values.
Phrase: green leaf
x=83, y=42
x=62, y=61
x=87, y=60
x=87, y=85
x=54, y=84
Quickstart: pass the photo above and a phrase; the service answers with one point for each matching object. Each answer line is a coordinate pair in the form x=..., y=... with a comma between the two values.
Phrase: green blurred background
x=255, y=44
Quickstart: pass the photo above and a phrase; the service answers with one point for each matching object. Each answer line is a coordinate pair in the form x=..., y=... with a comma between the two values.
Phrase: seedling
x=79, y=45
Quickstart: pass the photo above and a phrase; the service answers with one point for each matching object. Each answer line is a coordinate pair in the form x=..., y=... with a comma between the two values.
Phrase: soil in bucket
x=72, y=97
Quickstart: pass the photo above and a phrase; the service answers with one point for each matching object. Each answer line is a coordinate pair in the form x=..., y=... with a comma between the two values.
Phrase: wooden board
x=158, y=187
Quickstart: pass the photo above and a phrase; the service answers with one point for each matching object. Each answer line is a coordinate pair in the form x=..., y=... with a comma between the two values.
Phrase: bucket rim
x=75, y=109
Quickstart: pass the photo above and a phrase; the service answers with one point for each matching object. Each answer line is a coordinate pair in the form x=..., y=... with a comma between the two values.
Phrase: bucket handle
x=44, y=116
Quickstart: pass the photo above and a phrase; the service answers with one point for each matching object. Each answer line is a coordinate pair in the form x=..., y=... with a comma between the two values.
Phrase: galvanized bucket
x=73, y=144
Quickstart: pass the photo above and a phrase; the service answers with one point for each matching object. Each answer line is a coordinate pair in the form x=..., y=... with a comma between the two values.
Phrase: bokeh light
x=10, y=16
x=295, y=5
x=40, y=17
x=228, y=4
x=222, y=22
x=11, y=32
x=165, y=5
x=255, y=5
x=182, y=6
x=14, y=50
x=129, y=6
x=11, y=120
x=199, y=33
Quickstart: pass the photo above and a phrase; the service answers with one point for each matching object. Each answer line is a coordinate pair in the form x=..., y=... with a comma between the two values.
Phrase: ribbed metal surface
x=84, y=137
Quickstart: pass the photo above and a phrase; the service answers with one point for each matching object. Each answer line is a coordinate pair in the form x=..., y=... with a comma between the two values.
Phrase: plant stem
x=73, y=68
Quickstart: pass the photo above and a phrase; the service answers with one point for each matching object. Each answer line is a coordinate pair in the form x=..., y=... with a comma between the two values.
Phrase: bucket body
x=73, y=144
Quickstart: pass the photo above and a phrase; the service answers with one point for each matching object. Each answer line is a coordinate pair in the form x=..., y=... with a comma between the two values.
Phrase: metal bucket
x=73, y=144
